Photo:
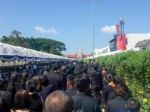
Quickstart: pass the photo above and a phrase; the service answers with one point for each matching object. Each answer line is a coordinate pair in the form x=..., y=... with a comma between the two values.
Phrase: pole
x=93, y=33
x=92, y=2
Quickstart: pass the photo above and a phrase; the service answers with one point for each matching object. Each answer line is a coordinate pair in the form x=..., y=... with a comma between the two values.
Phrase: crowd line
x=64, y=86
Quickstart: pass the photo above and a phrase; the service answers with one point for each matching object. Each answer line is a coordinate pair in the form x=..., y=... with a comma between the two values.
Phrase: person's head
x=104, y=71
x=30, y=86
x=91, y=71
x=56, y=68
x=44, y=80
x=70, y=81
x=133, y=105
x=36, y=103
x=22, y=99
x=62, y=70
x=120, y=90
x=38, y=82
x=24, y=76
x=111, y=80
x=58, y=101
x=81, y=84
x=14, y=77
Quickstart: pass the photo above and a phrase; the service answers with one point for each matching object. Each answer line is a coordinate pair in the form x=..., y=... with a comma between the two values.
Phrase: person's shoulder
x=77, y=97
x=71, y=91
x=117, y=101
x=87, y=99
x=109, y=88
x=93, y=100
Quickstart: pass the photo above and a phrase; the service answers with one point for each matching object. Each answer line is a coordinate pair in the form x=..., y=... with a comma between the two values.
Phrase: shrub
x=134, y=67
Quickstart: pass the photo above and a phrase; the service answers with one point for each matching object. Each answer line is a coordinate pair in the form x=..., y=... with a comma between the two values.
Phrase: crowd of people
x=64, y=86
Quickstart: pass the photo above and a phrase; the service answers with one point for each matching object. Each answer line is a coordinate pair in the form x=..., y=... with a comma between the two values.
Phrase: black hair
x=30, y=86
x=36, y=103
x=133, y=104
x=81, y=84
x=4, y=106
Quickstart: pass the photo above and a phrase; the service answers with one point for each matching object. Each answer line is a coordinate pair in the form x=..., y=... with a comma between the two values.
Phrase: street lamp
x=92, y=2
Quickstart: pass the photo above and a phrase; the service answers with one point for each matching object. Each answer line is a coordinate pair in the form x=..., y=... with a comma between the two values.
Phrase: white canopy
x=10, y=50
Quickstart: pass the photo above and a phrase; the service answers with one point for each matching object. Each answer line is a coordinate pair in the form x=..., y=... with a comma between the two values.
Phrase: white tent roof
x=6, y=49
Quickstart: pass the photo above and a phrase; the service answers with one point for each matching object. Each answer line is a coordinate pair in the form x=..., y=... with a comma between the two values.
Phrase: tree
x=47, y=45
x=39, y=44
x=15, y=33
x=16, y=39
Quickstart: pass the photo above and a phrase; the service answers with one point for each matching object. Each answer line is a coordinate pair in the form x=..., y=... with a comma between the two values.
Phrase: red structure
x=121, y=42
x=121, y=36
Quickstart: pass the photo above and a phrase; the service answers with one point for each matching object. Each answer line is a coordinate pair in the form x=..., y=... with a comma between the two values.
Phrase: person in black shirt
x=54, y=78
x=119, y=102
x=71, y=90
x=108, y=92
x=82, y=102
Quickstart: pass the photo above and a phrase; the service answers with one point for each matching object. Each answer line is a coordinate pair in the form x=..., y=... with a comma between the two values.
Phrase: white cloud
x=109, y=29
x=41, y=29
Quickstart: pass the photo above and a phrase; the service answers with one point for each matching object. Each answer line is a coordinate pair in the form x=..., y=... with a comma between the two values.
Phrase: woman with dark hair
x=11, y=85
x=30, y=86
x=21, y=101
x=38, y=83
x=118, y=103
x=36, y=104
x=108, y=91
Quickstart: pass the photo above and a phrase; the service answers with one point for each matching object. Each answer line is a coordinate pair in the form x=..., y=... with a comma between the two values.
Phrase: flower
x=141, y=92
x=145, y=100
x=126, y=83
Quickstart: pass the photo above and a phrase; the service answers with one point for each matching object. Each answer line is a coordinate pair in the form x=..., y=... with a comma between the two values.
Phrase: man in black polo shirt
x=82, y=102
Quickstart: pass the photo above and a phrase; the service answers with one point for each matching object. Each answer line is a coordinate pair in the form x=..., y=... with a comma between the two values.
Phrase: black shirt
x=85, y=103
x=117, y=105
x=108, y=93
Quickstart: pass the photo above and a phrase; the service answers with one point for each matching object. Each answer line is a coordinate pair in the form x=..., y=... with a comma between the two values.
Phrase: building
x=134, y=41
x=134, y=38
x=123, y=42
x=145, y=44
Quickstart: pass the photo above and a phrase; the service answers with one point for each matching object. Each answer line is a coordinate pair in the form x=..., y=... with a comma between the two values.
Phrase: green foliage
x=134, y=67
x=40, y=44
x=15, y=39
x=46, y=45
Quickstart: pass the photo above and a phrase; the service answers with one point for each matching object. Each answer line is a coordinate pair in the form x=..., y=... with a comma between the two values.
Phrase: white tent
x=10, y=50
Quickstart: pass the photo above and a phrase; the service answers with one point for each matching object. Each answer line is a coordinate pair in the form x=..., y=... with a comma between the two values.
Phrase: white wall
x=133, y=38
x=102, y=51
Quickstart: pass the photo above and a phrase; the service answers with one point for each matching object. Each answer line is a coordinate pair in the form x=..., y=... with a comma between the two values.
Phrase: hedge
x=134, y=67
